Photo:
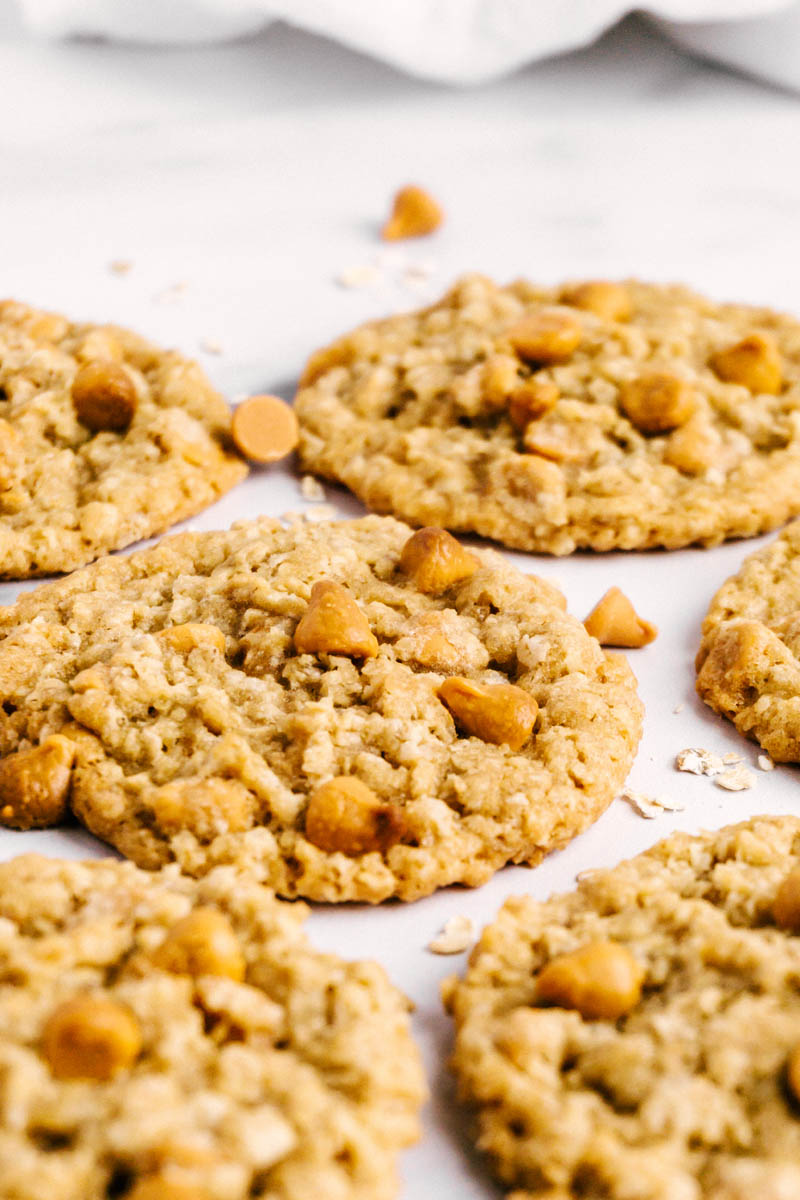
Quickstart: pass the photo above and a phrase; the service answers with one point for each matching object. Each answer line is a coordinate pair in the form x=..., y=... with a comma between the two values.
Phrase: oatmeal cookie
x=747, y=665
x=104, y=439
x=599, y=415
x=167, y=1039
x=351, y=711
x=639, y=1038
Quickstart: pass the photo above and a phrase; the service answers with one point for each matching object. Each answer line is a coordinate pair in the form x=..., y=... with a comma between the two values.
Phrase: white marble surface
x=255, y=173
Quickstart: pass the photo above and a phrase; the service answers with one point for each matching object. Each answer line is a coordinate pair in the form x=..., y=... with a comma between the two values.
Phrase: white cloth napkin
x=456, y=41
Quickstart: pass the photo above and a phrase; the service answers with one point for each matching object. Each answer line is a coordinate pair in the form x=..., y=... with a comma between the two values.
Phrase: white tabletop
x=240, y=181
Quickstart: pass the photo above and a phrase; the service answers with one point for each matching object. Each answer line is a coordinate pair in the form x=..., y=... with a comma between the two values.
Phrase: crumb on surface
x=456, y=935
x=738, y=779
x=311, y=489
x=650, y=806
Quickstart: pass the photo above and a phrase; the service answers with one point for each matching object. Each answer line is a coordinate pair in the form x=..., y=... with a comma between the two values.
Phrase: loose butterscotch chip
x=754, y=362
x=103, y=396
x=202, y=943
x=194, y=634
x=334, y=624
x=34, y=784
x=551, y=335
x=615, y=622
x=264, y=428
x=435, y=560
x=611, y=301
x=501, y=713
x=91, y=1037
x=786, y=905
x=602, y=981
x=530, y=401
x=657, y=401
x=415, y=213
x=345, y=815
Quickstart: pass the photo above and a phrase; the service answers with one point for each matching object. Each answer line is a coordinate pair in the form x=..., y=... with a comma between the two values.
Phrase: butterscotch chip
x=748, y=664
x=264, y=428
x=793, y=1072
x=334, y=624
x=495, y=712
x=611, y=301
x=637, y=1036
x=194, y=634
x=188, y=755
x=754, y=362
x=693, y=447
x=105, y=439
x=104, y=396
x=786, y=906
x=530, y=401
x=345, y=816
x=602, y=981
x=34, y=784
x=415, y=213
x=551, y=335
x=431, y=415
x=435, y=560
x=615, y=622
x=91, y=1037
x=657, y=401
x=189, y=1083
x=202, y=943
x=161, y=1187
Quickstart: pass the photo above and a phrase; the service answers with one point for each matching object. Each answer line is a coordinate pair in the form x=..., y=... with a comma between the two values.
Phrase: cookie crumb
x=311, y=489
x=697, y=761
x=120, y=266
x=650, y=806
x=678, y=708
x=210, y=345
x=765, y=762
x=323, y=512
x=170, y=294
x=363, y=276
x=455, y=937
x=738, y=779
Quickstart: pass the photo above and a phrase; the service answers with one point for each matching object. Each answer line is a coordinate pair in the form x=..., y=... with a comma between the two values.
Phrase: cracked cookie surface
x=165, y=1037
x=104, y=439
x=333, y=706
x=682, y=1096
x=598, y=415
x=748, y=665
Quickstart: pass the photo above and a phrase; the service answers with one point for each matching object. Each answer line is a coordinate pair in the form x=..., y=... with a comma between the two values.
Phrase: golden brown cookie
x=602, y=415
x=348, y=710
x=164, y=1038
x=637, y=1039
x=104, y=439
x=747, y=665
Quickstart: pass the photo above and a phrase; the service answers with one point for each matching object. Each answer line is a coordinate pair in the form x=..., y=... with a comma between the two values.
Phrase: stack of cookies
x=367, y=709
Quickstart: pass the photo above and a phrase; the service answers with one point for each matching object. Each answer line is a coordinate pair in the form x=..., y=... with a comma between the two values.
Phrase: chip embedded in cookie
x=167, y=1038
x=638, y=1038
x=601, y=415
x=748, y=664
x=351, y=710
x=104, y=439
